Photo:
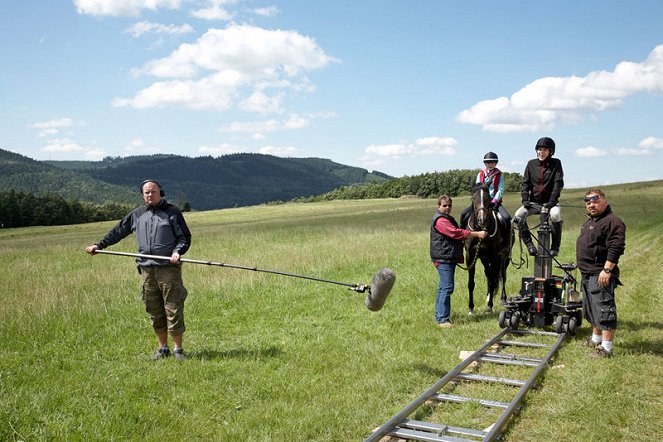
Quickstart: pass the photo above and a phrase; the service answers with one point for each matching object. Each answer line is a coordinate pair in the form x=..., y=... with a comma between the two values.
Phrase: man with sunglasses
x=542, y=186
x=601, y=242
x=446, y=251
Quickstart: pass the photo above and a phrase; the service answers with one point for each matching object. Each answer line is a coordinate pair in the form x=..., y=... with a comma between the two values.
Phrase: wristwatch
x=607, y=270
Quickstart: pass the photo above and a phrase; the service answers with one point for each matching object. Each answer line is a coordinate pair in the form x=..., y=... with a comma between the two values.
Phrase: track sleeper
x=435, y=432
x=524, y=344
x=482, y=378
x=463, y=399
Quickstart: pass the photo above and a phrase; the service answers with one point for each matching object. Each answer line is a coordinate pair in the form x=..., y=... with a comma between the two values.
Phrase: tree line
x=429, y=185
x=23, y=209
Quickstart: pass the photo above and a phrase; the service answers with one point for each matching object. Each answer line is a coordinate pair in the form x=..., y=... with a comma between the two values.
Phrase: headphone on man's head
x=161, y=192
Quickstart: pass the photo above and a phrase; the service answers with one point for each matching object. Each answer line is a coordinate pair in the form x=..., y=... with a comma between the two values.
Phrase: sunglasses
x=446, y=205
x=592, y=199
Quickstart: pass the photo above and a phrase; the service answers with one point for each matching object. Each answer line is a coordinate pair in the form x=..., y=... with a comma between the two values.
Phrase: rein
x=474, y=261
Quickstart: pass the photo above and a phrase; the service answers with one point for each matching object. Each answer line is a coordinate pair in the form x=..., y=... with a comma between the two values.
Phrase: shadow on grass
x=637, y=344
x=240, y=353
x=427, y=369
x=640, y=344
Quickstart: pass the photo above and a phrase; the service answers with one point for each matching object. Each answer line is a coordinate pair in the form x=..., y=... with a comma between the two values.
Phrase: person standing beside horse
x=446, y=251
x=160, y=230
x=542, y=186
x=601, y=242
x=492, y=177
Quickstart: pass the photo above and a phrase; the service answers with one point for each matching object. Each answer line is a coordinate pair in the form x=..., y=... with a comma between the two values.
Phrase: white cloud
x=651, y=143
x=287, y=151
x=94, y=154
x=420, y=147
x=293, y=122
x=235, y=66
x=260, y=103
x=63, y=145
x=137, y=146
x=270, y=11
x=145, y=27
x=390, y=150
x=118, y=8
x=590, y=152
x=214, y=12
x=646, y=147
x=221, y=149
x=545, y=102
x=69, y=146
x=52, y=127
x=436, y=146
x=634, y=152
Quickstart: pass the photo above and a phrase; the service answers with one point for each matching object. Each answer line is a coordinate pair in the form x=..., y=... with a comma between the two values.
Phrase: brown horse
x=493, y=251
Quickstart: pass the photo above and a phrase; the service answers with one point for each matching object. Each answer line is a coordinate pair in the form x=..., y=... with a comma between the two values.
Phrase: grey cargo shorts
x=163, y=294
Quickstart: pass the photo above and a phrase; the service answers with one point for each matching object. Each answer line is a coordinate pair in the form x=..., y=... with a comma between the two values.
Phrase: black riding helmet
x=546, y=142
x=490, y=157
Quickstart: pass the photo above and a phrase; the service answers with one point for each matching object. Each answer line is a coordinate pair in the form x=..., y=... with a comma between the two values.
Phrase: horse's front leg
x=491, y=270
x=503, y=267
x=470, y=283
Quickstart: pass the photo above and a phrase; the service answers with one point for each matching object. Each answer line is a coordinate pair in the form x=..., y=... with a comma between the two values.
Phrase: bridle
x=482, y=208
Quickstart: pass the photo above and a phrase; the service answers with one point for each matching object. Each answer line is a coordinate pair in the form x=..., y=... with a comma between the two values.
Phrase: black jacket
x=601, y=239
x=542, y=181
x=160, y=230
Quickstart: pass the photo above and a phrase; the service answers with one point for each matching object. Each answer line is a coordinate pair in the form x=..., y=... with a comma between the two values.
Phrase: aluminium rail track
x=489, y=358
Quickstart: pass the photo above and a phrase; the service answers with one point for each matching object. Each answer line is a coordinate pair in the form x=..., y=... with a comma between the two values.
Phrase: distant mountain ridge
x=207, y=183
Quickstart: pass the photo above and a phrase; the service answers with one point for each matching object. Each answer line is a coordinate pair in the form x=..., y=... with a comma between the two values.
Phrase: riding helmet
x=546, y=142
x=490, y=157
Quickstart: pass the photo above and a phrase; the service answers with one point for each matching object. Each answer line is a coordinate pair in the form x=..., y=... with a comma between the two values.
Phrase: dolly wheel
x=578, y=315
x=573, y=325
x=515, y=321
x=559, y=324
x=502, y=319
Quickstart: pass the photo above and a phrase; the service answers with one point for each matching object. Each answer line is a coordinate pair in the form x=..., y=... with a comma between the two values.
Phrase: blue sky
x=403, y=87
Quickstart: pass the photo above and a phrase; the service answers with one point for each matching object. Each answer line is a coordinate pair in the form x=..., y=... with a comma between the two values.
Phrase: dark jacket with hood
x=543, y=181
x=160, y=230
x=601, y=239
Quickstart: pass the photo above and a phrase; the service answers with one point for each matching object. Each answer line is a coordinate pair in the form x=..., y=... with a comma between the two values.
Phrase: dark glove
x=550, y=204
x=527, y=205
x=491, y=205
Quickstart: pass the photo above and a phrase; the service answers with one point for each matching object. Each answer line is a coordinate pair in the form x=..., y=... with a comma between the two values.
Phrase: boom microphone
x=383, y=282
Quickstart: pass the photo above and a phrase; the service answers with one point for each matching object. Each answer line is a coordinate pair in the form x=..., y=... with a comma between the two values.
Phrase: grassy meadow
x=274, y=358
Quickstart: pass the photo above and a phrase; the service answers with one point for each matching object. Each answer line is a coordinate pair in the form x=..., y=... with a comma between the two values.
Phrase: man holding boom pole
x=160, y=230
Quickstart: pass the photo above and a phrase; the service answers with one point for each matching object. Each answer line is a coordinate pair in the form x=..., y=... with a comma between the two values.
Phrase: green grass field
x=275, y=358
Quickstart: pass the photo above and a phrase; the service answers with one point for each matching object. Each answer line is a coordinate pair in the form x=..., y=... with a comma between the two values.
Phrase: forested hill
x=206, y=183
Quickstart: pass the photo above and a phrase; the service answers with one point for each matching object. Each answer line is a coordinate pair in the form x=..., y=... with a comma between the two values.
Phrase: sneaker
x=178, y=353
x=445, y=325
x=589, y=343
x=531, y=249
x=162, y=353
x=600, y=352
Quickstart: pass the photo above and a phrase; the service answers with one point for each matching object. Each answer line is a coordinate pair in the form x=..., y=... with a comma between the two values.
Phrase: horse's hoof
x=470, y=313
x=489, y=310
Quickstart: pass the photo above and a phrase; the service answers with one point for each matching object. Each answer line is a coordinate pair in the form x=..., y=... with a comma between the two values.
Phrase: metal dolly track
x=401, y=427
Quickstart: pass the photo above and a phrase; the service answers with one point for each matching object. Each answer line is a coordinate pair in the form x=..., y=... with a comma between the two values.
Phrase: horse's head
x=481, y=206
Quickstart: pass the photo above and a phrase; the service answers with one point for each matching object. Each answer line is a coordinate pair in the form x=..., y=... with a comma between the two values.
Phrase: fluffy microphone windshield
x=383, y=281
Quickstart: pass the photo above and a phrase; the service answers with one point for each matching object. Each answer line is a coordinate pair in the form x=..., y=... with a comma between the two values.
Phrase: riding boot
x=525, y=236
x=556, y=239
